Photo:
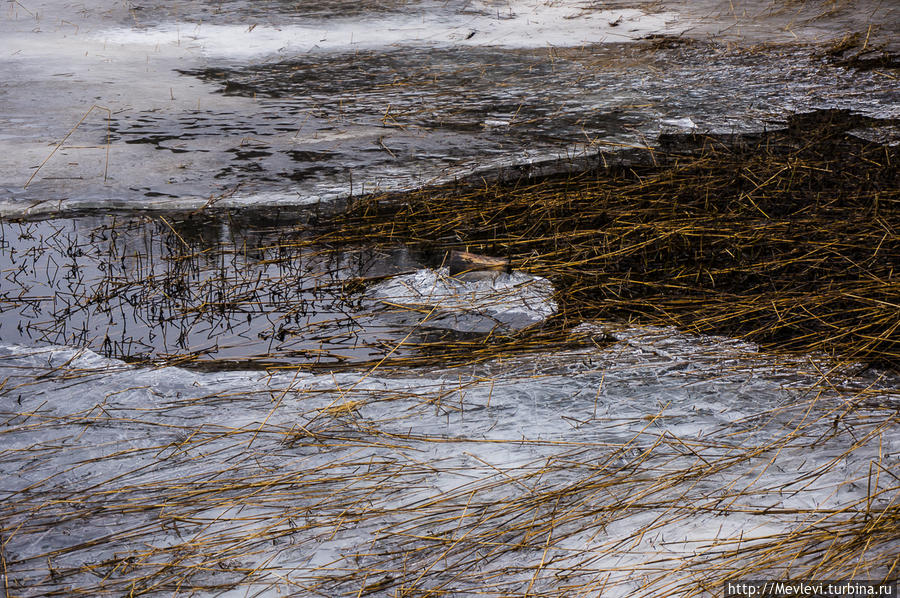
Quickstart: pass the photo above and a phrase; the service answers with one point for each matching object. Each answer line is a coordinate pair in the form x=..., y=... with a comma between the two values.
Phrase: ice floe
x=469, y=301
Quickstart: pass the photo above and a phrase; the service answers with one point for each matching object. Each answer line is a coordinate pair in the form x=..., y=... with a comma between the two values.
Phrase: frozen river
x=262, y=103
x=638, y=462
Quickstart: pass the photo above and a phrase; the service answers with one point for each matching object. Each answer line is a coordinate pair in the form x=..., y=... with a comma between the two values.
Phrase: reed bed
x=787, y=239
x=614, y=449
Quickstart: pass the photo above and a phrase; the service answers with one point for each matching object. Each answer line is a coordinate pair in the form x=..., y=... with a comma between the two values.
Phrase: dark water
x=167, y=287
x=245, y=289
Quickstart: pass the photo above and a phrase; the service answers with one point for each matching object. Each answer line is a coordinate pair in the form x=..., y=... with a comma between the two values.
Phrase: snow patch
x=523, y=24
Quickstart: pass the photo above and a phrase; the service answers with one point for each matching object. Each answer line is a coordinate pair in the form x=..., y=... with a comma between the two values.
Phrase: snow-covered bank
x=519, y=24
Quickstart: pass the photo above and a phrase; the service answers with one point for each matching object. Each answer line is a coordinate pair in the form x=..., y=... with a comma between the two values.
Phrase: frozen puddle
x=471, y=302
x=657, y=466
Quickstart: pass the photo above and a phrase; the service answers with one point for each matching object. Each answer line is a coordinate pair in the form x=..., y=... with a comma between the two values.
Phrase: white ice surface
x=306, y=478
x=517, y=24
x=61, y=59
x=515, y=298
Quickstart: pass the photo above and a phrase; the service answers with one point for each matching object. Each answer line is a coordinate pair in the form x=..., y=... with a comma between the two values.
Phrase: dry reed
x=342, y=484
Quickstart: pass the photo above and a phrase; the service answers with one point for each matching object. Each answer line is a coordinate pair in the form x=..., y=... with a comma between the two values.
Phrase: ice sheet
x=470, y=301
x=519, y=24
x=172, y=107
x=657, y=463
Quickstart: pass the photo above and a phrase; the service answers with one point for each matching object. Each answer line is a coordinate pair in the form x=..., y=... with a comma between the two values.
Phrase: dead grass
x=349, y=490
x=787, y=239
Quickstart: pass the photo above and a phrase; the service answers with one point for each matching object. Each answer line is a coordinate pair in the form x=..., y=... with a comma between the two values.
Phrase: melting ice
x=468, y=302
x=633, y=466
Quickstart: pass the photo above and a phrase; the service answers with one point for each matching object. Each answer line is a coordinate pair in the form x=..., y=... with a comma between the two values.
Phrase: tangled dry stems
x=787, y=239
x=631, y=517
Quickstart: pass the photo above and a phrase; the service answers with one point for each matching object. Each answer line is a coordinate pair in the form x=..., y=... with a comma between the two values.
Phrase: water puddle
x=184, y=288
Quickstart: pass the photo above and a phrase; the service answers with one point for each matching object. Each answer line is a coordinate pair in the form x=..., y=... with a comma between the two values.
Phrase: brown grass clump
x=788, y=239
